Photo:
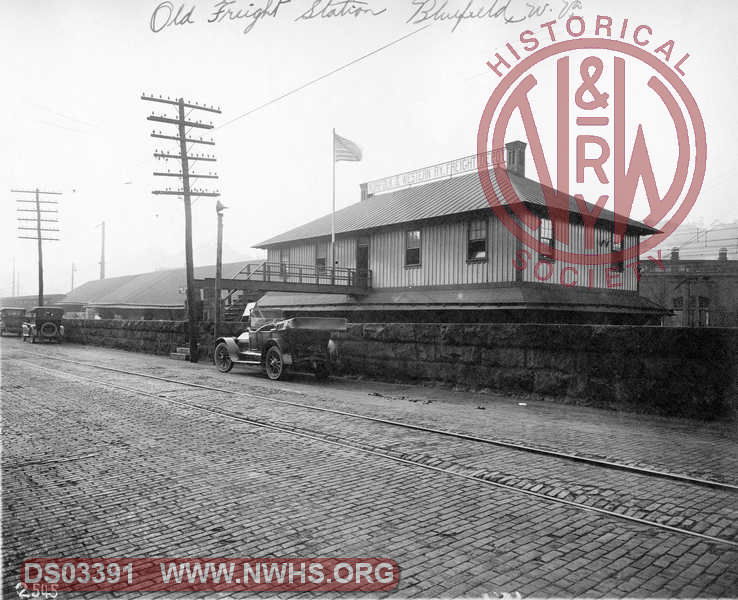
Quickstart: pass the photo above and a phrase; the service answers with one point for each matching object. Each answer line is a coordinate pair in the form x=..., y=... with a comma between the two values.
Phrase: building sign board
x=439, y=171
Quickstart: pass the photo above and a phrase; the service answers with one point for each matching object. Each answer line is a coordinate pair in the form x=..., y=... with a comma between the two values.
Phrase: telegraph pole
x=186, y=192
x=74, y=270
x=38, y=229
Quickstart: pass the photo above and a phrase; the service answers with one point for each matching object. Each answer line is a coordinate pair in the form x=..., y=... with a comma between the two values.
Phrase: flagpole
x=333, y=209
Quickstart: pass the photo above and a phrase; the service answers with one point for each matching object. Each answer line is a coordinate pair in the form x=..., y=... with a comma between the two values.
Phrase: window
x=617, y=252
x=321, y=254
x=546, y=237
x=476, y=244
x=412, y=248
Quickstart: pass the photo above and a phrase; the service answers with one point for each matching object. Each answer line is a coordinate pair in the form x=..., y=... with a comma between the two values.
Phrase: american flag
x=345, y=149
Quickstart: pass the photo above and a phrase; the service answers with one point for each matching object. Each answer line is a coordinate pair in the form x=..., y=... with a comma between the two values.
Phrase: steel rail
x=462, y=436
x=356, y=448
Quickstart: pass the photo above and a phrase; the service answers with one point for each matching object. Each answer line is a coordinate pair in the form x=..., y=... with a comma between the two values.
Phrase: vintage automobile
x=44, y=323
x=300, y=344
x=11, y=320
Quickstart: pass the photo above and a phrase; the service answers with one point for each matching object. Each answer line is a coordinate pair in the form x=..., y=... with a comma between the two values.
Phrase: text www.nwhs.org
x=171, y=574
x=343, y=573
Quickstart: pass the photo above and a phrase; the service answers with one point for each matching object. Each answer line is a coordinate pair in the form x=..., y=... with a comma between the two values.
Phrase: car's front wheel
x=222, y=358
x=274, y=364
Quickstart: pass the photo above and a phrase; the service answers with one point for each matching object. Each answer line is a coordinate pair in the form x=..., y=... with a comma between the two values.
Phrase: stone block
x=502, y=357
x=551, y=383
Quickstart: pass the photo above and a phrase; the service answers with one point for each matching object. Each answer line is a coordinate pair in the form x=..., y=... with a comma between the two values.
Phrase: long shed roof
x=157, y=289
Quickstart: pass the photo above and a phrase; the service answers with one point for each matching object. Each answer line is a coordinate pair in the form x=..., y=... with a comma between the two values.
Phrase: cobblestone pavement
x=148, y=478
x=699, y=449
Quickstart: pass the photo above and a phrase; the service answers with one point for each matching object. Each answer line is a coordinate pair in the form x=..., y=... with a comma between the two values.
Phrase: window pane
x=476, y=246
x=412, y=256
x=477, y=250
x=478, y=230
x=546, y=237
x=412, y=239
x=617, y=242
x=546, y=229
x=321, y=257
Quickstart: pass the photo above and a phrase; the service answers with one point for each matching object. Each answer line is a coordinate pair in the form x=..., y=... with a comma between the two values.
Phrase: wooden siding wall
x=587, y=275
x=306, y=253
x=443, y=258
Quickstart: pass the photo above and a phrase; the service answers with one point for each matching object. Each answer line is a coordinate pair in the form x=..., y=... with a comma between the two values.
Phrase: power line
x=324, y=76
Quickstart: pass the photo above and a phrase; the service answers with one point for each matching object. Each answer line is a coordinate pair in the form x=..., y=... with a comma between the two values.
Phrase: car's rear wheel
x=321, y=371
x=222, y=358
x=274, y=364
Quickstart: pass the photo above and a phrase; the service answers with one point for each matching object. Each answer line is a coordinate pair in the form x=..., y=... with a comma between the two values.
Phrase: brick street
x=95, y=470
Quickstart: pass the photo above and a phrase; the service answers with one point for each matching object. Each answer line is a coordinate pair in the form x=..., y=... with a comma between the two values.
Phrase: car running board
x=247, y=362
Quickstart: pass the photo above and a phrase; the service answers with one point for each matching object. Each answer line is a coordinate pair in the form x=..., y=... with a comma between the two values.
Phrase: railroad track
x=347, y=444
x=410, y=426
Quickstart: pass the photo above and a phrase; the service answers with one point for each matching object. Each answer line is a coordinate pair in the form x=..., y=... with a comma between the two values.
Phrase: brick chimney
x=723, y=254
x=675, y=254
x=515, y=157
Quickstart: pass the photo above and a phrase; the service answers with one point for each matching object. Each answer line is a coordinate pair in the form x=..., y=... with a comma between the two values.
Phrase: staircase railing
x=245, y=269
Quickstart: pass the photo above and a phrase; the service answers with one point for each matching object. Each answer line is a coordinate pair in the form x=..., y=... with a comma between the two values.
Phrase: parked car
x=300, y=344
x=11, y=320
x=44, y=323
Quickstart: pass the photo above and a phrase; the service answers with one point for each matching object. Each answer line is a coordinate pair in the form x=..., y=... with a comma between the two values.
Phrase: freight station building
x=423, y=248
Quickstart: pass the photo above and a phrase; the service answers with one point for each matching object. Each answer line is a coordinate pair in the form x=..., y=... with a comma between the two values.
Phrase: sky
x=75, y=70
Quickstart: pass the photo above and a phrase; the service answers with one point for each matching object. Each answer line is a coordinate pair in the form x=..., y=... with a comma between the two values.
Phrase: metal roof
x=157, y=289
x=440, y=198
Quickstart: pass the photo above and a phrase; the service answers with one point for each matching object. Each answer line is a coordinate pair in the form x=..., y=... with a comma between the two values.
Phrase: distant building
x=436, y=251
x=28, y=302
x=701, y=293
x=154, y=295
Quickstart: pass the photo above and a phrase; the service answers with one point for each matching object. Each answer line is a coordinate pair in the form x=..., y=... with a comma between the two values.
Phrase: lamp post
x=218, y=267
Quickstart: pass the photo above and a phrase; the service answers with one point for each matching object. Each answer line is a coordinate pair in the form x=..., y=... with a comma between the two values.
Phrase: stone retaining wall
x=676, y=372
x=152, y=337
x=670, y=371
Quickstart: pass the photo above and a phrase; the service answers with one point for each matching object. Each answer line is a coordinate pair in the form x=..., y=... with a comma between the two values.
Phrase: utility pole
x=38, y=229
x=14, y=294
x=186, y=192
x=102, y=251
x=74, y=270
x=218, y=267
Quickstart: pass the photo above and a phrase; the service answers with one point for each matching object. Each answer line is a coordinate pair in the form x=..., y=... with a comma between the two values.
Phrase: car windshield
x=48, y=314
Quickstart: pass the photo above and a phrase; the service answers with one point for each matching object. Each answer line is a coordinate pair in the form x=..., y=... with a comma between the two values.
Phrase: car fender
x=230, y=343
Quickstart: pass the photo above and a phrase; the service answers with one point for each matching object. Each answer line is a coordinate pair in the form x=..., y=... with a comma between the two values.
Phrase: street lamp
x=218, y=267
